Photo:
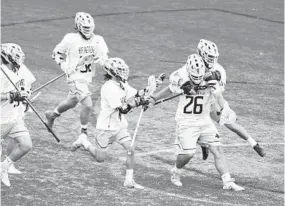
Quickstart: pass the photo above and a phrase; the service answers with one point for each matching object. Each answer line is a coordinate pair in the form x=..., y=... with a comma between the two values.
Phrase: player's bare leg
x=222, y=167
x=10, y=146
x=241, y=132
x=61, y=108
x=23, y=147
x=85, y=113
x=181, y=161
x=130, y=162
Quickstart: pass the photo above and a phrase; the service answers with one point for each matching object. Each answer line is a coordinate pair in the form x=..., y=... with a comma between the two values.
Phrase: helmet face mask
x=196, y=68
x=209, y=52
x=84, y=24
x=13, y=54
x=117, y=68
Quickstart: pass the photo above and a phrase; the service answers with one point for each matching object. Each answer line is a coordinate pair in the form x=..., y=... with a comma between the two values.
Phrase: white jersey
x=29, y=79
x=223, y=81
x=80, y=55
x=113, y=96
x=191, y=108
x=9, y=112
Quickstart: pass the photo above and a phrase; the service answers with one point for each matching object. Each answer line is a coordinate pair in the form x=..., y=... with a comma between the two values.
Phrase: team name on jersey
x=86, y=50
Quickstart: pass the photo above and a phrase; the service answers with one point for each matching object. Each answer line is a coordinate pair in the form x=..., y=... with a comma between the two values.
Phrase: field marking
x=145, y=12
x=228, y=145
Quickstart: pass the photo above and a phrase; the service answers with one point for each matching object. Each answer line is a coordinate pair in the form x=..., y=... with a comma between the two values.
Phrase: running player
x=117, y=99
x=194, y=124
x=84, y=52
x=12, y=123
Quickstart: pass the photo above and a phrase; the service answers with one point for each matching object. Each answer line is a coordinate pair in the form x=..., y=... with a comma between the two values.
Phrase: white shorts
x=78, y=89
x=188, y=135
x=103, y=138
x=14, y=129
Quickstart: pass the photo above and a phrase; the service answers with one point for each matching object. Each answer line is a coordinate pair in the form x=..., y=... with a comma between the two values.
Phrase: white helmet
x=196, y=68
x=208, y=50
x=84, y=23
x=13, y=54
x=117, y=67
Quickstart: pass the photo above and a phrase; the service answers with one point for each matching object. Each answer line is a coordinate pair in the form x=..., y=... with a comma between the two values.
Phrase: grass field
x=154, y=37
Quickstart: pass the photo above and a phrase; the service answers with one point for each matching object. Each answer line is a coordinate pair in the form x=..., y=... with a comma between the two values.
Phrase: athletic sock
x=251, y=141
x=129, y=174
x=177, y=170
x=56, y=111
x=226, y=177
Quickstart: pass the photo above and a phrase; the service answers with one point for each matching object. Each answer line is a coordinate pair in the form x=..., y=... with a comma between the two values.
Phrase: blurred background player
x=194, y=124
x=111, y=123
x=12, y=123
x=84, y=52
x=208, y=50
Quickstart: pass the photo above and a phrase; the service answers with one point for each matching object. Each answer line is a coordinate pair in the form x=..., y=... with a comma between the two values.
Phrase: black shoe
x=205, y=152
x=83, y=131
x=259, y=150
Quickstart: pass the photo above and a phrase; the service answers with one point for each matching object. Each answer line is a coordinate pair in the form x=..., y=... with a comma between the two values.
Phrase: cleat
x=50, y=115
x=5, y=178
x=205, y=152
x=175, y=178
x=132, y=184
x=79, y=142
x=13, y=170
x=230, y=185
x=259, y=150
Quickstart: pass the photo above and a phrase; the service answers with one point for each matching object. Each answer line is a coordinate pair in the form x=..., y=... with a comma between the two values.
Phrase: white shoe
x=79, y=142
x=175, y=178
x=5, y=178
x=232, y=186
x=13, y=170
x=132, y=184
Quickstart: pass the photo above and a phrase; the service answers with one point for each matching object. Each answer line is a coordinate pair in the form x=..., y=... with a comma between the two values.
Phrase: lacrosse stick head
x=151, y=85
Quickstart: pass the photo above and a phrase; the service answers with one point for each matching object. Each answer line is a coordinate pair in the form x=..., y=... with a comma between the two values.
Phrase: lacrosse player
x=84, y=52
x=117, y=99
x=12, y=107
x=209, y=52
x=194, y=124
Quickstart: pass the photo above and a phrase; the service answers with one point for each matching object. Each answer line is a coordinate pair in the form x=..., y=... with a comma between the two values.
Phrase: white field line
x=228, y=145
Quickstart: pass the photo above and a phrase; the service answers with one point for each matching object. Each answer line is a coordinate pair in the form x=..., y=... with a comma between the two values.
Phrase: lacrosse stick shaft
x=49, y=82
x=137, y=127
x=167, y=99
x=31, y=106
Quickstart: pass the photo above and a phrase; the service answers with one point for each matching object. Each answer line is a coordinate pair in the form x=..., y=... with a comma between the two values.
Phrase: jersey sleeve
x=223, y=80
x=131, y=91
x=61, y=48
x=177, y=80
x=103, y=51
x=28, y=77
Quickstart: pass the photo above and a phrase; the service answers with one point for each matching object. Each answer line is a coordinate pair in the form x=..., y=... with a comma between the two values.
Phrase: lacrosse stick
x=31, y=106
x=49, y=82
x=152, y=84
x=167, y=99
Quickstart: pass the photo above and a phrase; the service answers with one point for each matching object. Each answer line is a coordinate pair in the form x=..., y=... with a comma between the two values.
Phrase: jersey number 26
x=197, y=107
